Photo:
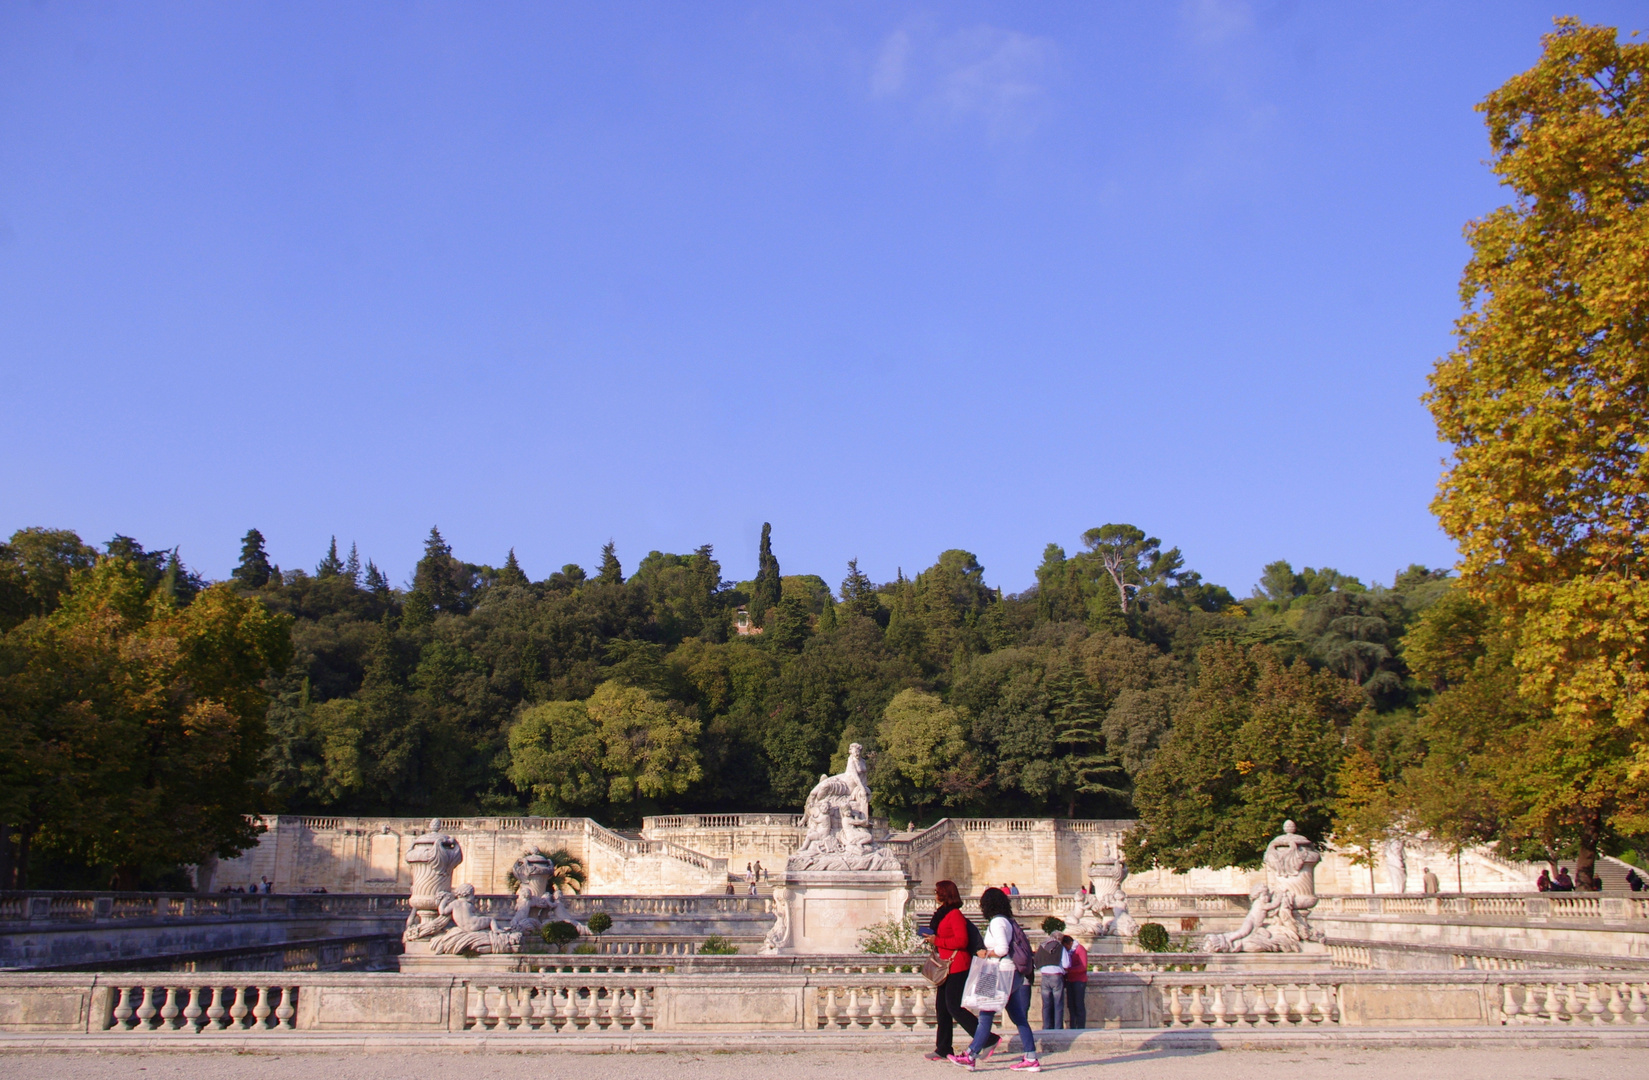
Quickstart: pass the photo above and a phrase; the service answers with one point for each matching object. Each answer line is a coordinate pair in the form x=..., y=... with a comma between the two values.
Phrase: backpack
x=976, y=940
x=1048, y=954
x=1019, y=949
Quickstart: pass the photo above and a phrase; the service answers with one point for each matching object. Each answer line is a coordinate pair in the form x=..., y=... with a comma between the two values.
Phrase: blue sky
x=894, y=277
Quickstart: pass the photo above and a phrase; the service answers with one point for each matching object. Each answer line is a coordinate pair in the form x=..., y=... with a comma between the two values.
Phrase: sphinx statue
x=837, y=821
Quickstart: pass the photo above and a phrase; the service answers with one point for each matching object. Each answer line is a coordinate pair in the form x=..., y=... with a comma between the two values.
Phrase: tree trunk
x=1586, y=860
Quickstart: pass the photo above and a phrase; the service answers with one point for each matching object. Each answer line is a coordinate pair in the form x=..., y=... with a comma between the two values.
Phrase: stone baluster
x=217, y=1014
x=855, y=1011
x=479, y=1014
x=287, y=1009
x=1280, y=1004
x=831, y=1009
x=877, y=1012
x=124, y=1009
x=169, y=1011
x=1550, y=1008
x=1199, y=1014
x=504, y=1014
x=1508, y=1005
x=1595, y=1005
x=1171, y=1005
x=897, y=1016
x=1254, y=997
x=919, y=1008
x=1617, y=1006
x=261, y=1008
x=638, y=1008
x=615, y=1008
x=149, y=1010
x=1575, y=1010
x=239, y=1010
x=1219, y=1006
x=1637, y=1006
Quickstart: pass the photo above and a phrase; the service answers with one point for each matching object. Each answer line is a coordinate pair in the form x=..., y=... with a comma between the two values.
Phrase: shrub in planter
x=1153, y=937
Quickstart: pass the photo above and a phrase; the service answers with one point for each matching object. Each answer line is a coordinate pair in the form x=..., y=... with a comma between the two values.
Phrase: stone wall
x=684, y=854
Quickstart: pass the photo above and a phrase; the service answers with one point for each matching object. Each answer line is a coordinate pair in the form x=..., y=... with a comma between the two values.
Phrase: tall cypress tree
x=769, y=588
x=253, y=571
x=611, y=572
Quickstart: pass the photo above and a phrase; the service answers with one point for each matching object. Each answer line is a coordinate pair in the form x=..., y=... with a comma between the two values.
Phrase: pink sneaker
x=1026, y=1065
x=963, y=1060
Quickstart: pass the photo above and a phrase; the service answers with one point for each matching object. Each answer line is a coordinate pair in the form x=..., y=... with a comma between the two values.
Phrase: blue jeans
x=1053, y=1002
x=1019, y=1003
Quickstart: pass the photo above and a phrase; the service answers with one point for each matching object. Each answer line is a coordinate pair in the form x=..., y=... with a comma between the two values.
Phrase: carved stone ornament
x=837, y=819
x=778, y=938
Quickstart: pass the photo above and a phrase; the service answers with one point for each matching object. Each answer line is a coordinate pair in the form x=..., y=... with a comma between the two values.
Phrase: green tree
x=1364, y=813
x=924, y=756
x=331, y=566
x=611, y=572
x=1131, y=560
x=768, y=588
x=858, y=594
x=1257, y=742
x=136, y=725
x=253, y=570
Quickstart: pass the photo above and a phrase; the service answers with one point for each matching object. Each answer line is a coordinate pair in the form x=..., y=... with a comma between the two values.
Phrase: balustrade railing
x=577, y=995
x=44, y=909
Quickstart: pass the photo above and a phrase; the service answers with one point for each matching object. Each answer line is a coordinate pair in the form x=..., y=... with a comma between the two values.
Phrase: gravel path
x=1491, y=1063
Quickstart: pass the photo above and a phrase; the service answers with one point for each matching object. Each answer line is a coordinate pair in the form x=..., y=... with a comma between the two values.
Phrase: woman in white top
x=999, y=938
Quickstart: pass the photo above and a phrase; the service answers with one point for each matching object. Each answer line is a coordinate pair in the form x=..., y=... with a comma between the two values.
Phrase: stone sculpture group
x=1280, y=906
x=837, y=819
x=444, y=920
x=1103, y=911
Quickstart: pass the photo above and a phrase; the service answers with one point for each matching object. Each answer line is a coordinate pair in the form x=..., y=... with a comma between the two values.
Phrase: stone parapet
x=817, y=997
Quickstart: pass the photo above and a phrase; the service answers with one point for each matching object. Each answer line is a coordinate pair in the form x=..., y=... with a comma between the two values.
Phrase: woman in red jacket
x=956, y=940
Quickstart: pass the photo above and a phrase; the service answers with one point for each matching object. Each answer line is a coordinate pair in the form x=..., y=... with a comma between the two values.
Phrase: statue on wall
x=1278, y=906
x=778, y=937
x=1397, y=870
x=837, y=820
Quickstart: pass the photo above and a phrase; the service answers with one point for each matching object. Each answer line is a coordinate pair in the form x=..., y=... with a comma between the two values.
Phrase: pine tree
x=611, y=572
x=331, y=566
x=376, y=581
x=254, y=570
x=859, y=592
x=352, y=566
x=437, y=573
x=769, y=586
x=511, y=574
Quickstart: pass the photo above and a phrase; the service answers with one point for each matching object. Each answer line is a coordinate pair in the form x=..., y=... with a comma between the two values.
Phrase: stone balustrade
x=833, y=995
x=1496, y=905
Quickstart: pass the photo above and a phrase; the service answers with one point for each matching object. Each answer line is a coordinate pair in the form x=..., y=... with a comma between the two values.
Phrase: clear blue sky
x=894, y=277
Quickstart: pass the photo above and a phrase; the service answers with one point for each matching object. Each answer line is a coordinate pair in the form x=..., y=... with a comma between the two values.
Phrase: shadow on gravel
x=1157, y=1048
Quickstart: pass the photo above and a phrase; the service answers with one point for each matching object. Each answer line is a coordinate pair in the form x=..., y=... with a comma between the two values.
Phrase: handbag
x=988, y=984
x=935, y=968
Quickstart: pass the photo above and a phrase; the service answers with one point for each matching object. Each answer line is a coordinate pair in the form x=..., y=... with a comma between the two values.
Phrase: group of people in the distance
x=1060, y=963
x=1564, y=883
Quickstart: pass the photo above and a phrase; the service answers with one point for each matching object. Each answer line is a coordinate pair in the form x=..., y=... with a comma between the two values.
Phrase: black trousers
x=949, y=994
x=1076, y=1001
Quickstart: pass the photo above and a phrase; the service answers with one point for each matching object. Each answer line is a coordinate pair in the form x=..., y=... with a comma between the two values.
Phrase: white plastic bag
x=989, y=981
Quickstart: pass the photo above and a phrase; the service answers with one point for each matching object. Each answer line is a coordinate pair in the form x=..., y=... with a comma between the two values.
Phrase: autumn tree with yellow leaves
x=1546, y=402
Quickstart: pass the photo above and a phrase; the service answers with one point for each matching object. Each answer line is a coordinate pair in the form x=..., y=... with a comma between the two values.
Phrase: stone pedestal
x=826, y=911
